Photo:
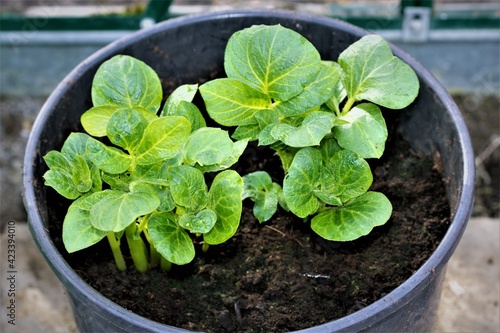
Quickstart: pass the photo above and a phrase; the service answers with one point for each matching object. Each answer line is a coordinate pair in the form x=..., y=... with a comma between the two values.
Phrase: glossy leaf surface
x=127, y=82
x=373, y=73
x=353, y=220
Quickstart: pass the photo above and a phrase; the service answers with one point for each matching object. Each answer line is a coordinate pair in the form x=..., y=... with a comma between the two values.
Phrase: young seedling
x=278, y=91
x=147, y=183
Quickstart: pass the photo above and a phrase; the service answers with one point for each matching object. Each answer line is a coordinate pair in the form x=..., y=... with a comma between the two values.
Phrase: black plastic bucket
x=190, y=49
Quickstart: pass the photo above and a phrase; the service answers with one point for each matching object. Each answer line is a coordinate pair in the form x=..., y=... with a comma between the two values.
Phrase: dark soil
x=278, y=276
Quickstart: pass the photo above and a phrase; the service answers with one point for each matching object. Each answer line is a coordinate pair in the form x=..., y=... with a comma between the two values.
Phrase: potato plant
x=322, y=118
x=138, y=173
x=148, y=183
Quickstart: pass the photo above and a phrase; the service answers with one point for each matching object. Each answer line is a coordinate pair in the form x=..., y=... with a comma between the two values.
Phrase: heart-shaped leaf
x=95, y=120
x=78, y=232
x=188, y=188
x=70, y=176
x=301, y=180
x=315, y=93
x=75, y=144
x=108, y=159
x=116, y=210
x=208, y=146
x=353, y=220
x=162, y=139
x=348, y=176
x=127, y=82
x=371, y=72
x=61, y=180
x=231, y=102
x=199, y=223
x=169, y=239
x=363, y=131
x=224, y=198
x=125, y=128
x=274, y=60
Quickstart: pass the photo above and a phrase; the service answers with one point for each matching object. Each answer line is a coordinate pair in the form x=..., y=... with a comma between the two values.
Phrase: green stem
x=155, y=256
x=143, y=222
x=137, y=249
x=165, y=265
x=205, y=247
x=348, y=105
x=117, y=252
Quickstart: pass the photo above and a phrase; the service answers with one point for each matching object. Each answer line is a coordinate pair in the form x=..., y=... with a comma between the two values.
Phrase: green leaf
x=108, y=159
x=371, y=72
x=127, y=82
x=167, y=203
x=179, y=104
x=302, y=178
x=162, y=139
x=349, y=175
x=259, y=187
x=315, y=93
x=78, y=232
x=69, y=176
x=265, y=136
x=267, y=120
x=169, y=239
x=363, y=131
x=183, y=93
x=328, y=147
x=246, y=132
x=125, y=128
x=232, y=103
x=338, y=96
x=95, y=120
x=96, y=178
x=199, y=223
x=61, y=181
x=80, y=174
x=151, y=173
x=353, y=220
x=55, y=159
x=75, y=144
x=275, y=60
x=117, y=181
x=237, y=151
x=225, y=200
x=208, y=146
x=116, y=210
x=191, y=113
x=188, y=188
x=310, y=133
x=285, y=153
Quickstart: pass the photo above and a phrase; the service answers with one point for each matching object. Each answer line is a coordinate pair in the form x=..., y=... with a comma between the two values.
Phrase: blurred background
x=458, y=41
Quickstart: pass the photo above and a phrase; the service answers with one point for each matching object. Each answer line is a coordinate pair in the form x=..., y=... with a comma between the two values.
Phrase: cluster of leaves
x=144, y=177
x=321, y=117
x=148, y=182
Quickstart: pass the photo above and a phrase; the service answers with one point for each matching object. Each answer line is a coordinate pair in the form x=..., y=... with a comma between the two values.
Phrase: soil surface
x=279, y=276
